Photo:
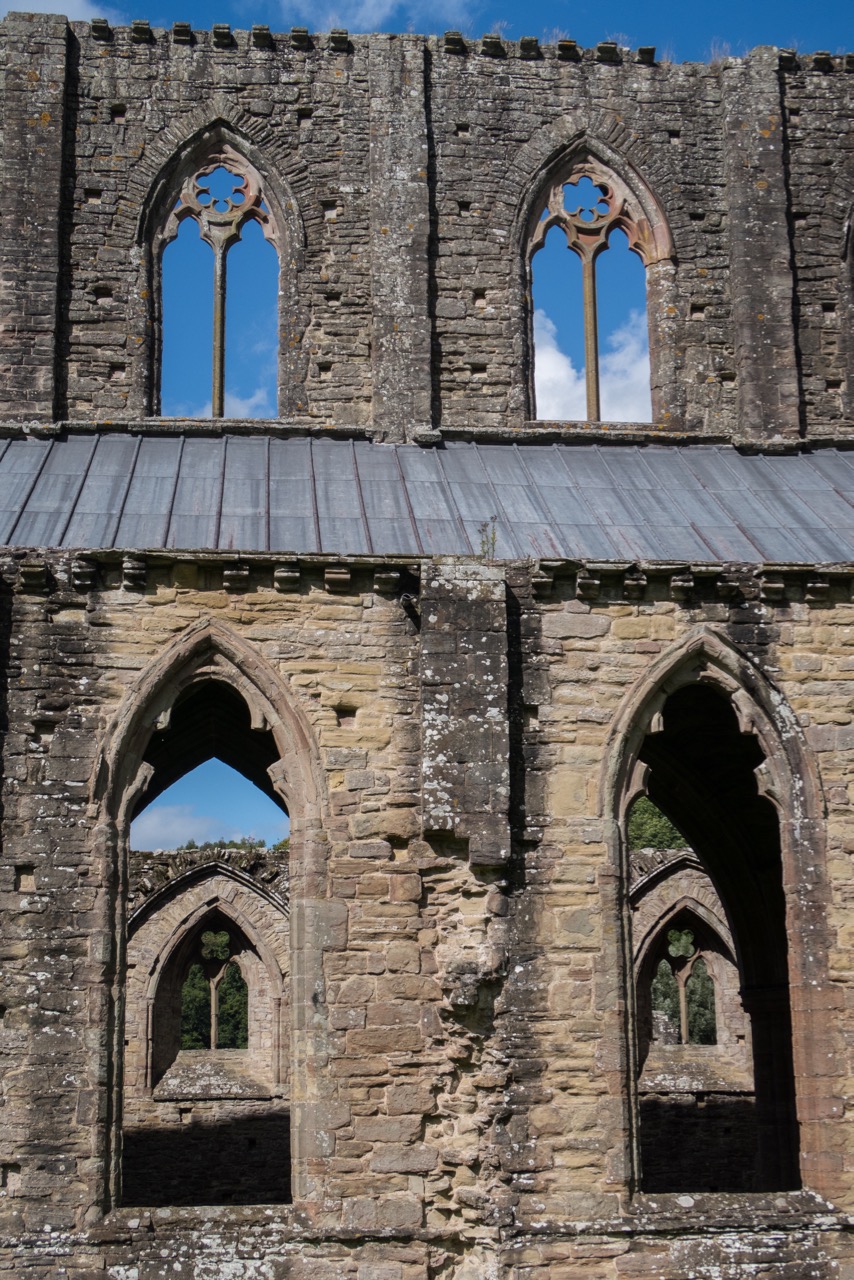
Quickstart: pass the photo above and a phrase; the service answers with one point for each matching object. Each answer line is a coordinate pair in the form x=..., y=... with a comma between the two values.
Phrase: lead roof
x=342, y=497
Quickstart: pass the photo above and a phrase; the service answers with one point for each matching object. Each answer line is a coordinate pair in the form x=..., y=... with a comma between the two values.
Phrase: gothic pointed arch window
x=219, y=252
x=712, y=1009
x=605, y=292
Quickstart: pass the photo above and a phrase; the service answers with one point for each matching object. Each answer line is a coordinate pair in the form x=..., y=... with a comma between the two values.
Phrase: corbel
x=34, y=579
x=587, y=585
x=492, y=46
x=387, y=581
x=339, y=40
x=300, y=38
x=222, y=37
x=568, y=51
x=727, y=586
x=646, y=55
x=260, y=36
x=453, y=42
x=542, y=581
x=608, y=51
x=140, y=31
x=83, y=573
x=134, y=573
x=336, y=577
x=681, y=586
x=634, y=584
x=773, y=588
x=529, y=47
x=817, y=591
x=822, y=61
x=286, y=577
x=235, y=577
x=100, y=29
x=182, y=33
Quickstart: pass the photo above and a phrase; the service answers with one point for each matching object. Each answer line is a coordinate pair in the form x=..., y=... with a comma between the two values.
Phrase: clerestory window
x=220, y=291
x=589, y=330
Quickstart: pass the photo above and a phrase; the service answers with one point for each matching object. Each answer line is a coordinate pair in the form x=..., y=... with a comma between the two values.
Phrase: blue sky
x=213, y=801
x=682, y=32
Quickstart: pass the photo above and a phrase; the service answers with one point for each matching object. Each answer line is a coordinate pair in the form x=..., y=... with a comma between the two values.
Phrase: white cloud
x=623, y=374
x=74, y=10
x=559, y=385
x=381, y=15
x=256, y=405
x=168, y=825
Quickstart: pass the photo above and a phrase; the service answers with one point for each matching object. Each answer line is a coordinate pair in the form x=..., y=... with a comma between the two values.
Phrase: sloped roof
x=340, y=497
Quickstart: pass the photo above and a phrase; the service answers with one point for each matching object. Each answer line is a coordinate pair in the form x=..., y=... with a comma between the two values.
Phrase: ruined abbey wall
x=407, y=169
x=443, y=1076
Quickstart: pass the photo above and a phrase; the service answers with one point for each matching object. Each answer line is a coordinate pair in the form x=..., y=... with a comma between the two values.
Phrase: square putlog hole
x=25, y=878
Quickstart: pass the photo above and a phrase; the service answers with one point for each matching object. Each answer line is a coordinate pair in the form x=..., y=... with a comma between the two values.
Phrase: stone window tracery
x=588, y=203
x=683, y=991
x=222, y=196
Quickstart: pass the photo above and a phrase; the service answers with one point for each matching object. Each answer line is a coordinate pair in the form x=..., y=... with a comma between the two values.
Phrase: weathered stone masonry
x=450, y=1071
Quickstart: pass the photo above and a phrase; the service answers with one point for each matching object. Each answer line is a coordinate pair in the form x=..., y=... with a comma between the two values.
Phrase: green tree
x=233, y=1018
x=700, y=994
x=665, y=994
x=196, y=1010
x=649, y=829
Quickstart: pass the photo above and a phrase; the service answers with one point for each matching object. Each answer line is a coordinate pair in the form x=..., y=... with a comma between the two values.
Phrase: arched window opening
x=683, y=993
x=206, y=1097
x=700, y=1002
x=716, y=1082
x=210, y=295
x=215, y=997
x=590, y=331
x=665, y=1005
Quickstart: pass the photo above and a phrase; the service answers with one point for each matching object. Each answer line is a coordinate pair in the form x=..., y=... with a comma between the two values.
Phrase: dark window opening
x=716, y=1083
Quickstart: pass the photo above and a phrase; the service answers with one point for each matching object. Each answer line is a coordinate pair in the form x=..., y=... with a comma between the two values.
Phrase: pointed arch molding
x=606, y=150
x=789, y=778
x=160, y=932
x=189, y=138
x=789, y=775
x=691, y=905
x=174, y=913
x=206, y=650
x=559, y=147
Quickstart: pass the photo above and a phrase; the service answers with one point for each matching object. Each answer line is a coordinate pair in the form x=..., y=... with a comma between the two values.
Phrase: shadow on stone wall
x=691, y=1143
x=229, y=1162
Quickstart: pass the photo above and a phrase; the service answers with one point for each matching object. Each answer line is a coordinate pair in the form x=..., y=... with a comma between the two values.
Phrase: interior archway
x=211, y=652
x=701, y=773
x=206, y=1122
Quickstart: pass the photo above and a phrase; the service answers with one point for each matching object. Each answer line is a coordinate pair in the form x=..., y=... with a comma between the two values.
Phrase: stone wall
x=444, y=1076
x=461, y=1061
x=403, y=275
